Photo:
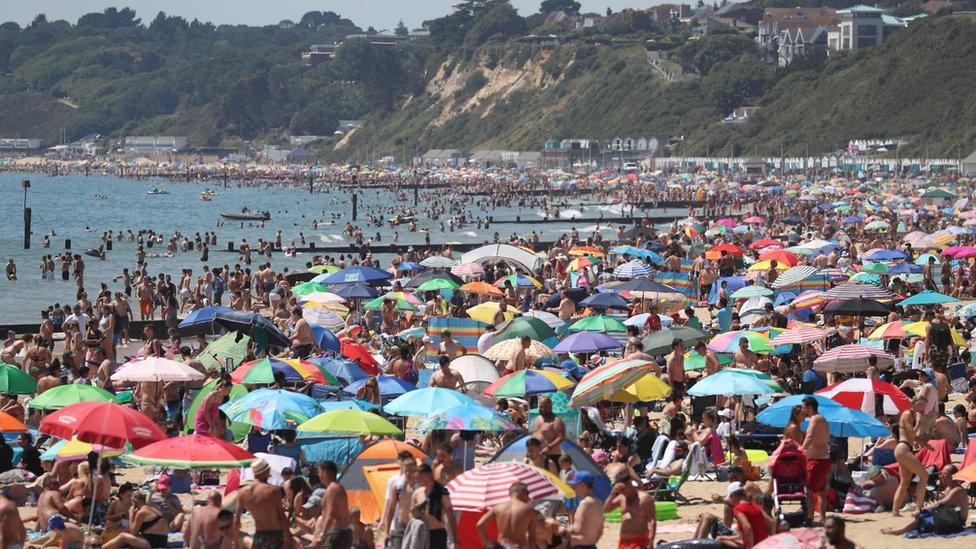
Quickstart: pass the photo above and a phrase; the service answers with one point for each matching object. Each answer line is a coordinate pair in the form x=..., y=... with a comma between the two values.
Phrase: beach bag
x=947, y=519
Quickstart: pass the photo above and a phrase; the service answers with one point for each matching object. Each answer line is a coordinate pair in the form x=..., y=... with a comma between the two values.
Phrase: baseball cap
x=929, y=373
x=315, y=499
x=582, y=477
x=733, y=488
x=162, y=483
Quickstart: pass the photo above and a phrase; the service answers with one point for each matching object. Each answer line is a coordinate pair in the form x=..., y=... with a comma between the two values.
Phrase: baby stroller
x=788, y=470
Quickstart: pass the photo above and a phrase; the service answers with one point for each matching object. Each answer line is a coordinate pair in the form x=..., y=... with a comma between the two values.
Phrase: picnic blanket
x=964, y=532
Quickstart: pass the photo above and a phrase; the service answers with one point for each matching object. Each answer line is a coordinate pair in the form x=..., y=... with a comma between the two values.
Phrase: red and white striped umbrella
x=859, y=393
x=800, y=334
x=488, y=485
x=468, y=269
x=850, y=358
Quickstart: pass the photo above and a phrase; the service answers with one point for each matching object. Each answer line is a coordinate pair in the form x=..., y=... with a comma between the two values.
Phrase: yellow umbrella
x=648, y=388
x=337, y=308
x=564, y=489
x=485, y=312
x=765, y=265
x=918, y=329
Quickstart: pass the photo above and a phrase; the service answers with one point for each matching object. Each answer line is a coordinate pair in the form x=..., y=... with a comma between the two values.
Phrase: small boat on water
x=157, y=190
x=247, y=216
x=401, y=219
x=208, y=192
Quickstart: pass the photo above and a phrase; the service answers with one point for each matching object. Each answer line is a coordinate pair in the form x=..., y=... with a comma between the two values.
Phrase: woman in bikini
x=793, y=430
x=908, y=464
x=148, y=529
x=79, y=489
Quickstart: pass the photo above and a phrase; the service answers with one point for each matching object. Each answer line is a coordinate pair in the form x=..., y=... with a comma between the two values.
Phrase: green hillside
x=478, y=82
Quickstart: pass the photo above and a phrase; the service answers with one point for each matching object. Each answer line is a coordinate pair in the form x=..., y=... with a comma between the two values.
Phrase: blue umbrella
x=639, y=252
x=927, y=297
x=424, y=402
x=905, y=268
x=886, y=255
x=325, y=339
x=357, y=274
x=272, y=409
x=356, y=291
x=729, y=383
x=792, y=220
x=212, y=320
x=605, y=300
x=842, y=421
x=410, y=266
x=346, y=370
x=633, y=269
x=587, y=342
x=852, y=220
x=390, y=386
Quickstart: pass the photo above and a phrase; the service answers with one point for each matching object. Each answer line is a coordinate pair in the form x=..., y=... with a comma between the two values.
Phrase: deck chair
x=657, y=450
x=663, y=489
x=606, y=433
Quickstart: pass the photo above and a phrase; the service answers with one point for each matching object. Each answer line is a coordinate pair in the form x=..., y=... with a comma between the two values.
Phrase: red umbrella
x=781, y=256
x=765, y=243
x=354, y=350
x=104, y=423
x=731, y=248
x=858, y=393
x=191, y=452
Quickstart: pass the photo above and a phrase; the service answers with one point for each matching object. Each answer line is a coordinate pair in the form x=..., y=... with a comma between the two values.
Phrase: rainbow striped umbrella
x=272, y=409
x=729, y=342
x=889, y=330
x=604, y=381
x=800, y=334
x=809, y=299
x=262, y=371
x=527, y=383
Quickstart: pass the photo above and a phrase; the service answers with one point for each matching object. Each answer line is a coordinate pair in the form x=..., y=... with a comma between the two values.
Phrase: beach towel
x=857, y=503
x=465, y=331
x=965, y=532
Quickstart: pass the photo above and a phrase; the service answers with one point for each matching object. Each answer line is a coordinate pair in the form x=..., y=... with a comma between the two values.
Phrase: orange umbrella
x=10, y=424
x=483, y=288
x=781, y=256
x=731, y=248
x=586, y=250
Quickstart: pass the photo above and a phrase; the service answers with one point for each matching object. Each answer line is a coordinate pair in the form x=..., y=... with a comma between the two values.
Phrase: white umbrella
x=475, y=368
x=326, y=318
x=322, y=297
x=438, y=262
x=494, y=253
x=156, y=369
x=552, y=320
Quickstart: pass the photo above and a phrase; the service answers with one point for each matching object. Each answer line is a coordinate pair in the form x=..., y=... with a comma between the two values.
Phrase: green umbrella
x=239, y=430
x=876, y=268
x=216, y=353
x=356, y=422
x=306, y=288
x=14, y=381
x=64, y=395
x=598, y=323
x=659, y=342
x=400, y=304
x=530, y=326
x=762, y=376
x=695, y=361
x=746, y=292
x=438, y=284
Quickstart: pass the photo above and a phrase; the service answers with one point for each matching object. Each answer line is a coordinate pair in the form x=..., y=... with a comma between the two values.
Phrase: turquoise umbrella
x=927, y=297
x=729, y=383
x=423, y=402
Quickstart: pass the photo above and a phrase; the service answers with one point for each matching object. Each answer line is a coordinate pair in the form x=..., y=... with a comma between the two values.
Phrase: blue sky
x=377, y=13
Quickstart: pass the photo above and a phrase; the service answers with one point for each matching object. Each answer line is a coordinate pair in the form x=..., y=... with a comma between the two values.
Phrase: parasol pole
x=91, y=512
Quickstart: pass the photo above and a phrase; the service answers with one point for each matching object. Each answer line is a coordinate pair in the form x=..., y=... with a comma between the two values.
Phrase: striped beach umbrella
x=853, y=357
x=729, y=342
x=889, y=330
x=438, y=262
x=634, y=268
x=486, y=486
x=800, y=335
x=321, y=316
x=468, y=269
x=262, y=371
x=809, y=300
x=191, y=452
x=527, y=383
x=603, y=382
x=859, y=393
x=853, y=290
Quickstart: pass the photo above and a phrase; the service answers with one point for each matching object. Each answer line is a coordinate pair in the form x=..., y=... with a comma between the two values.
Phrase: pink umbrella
x=468, y=269
x=730, y=223
x=858, y=393
x=797, y=538
x=486, y=486
x=800, y=334
x=753, y=219
x=847, y=358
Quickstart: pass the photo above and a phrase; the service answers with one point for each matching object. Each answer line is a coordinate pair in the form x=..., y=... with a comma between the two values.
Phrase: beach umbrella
x=505, y=349
x=865, y=277
x=659, y=342
x=215, y=319
x=326, y=297
x=349, y=404
x=859, y=393
x=485, y=312
x=550, y=319
x=481, y=288
x=468, y=417
x=585, y=250
x=765, y=243
x=885, y=255
x=238, y=429
x=848, y=358
x=753, y=219
x=423, y=402
x=796, y=538
x=808, y=300
x=647, y=289
x=527, y=383
x=920, y=329
x=356, y=291
x=889, y=330
x=271, y=409
x=75, y=450
x=10, y=424
x=325, y=339
x=647, y=388
x=586, y=342
x=437, y=284
x=355, y=351
x=799, y=335
x=924, y=259
x=841, y=420
x=641, y=319
x=793, y=276
x=321, y=316
x=102, y=423
x=598, y=323
x=356, y=274
x=527, y=326
x=263, y=370
x=191, y=452
x=319, y=269
x=634, y=268
x=603, y=381
x=518, y=281
x=306, y=288
x=695, y=361
x=438, y=262
x=345, y=370
x=475, y=369
x=390, y=386
x=156, y=369
x=605, y=300
x=468, y=269
x=434, y=274
x=14, y=381
x=405, y=266
x=877, y=225
x=58, y=397
x=927, y=297
x=355, y=422
x=761, y=266
x=582, y=262
x=728, y=342
x=232, y=346
x=400, y=302
x=486, y=486
x=747, y=292
x=782, y=257
x=853, y=290
x=729, y=383
x=732, y=249
x=857, y=306
x=872, y=268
